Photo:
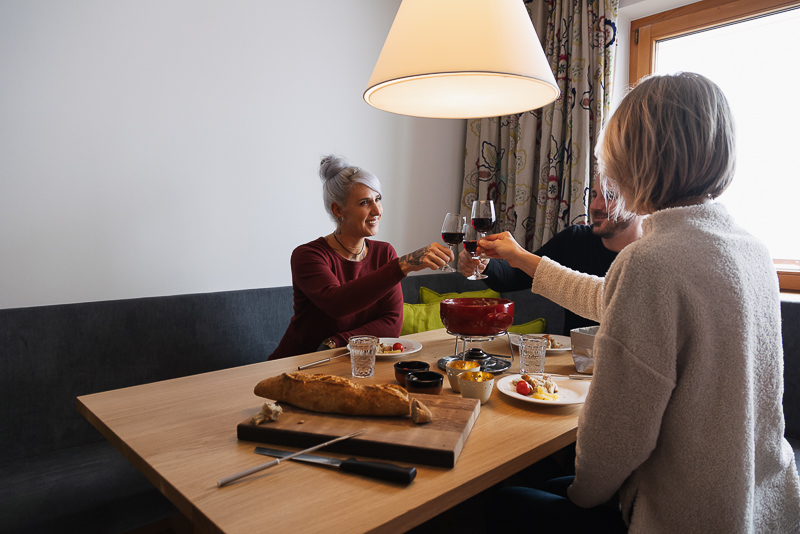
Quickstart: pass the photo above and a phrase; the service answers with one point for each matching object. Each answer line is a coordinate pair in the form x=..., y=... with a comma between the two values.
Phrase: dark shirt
x=338, y=298
x=575, y=247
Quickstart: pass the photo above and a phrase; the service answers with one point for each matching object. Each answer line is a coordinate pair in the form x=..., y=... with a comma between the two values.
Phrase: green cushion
x=426, y=296
x=536, y=326
x=421, y=318
x=426, y=316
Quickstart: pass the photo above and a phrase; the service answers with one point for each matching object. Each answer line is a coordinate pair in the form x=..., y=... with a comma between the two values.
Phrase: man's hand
x=467, y=265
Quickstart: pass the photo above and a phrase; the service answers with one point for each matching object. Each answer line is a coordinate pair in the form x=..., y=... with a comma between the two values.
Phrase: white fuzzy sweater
x=684, y=417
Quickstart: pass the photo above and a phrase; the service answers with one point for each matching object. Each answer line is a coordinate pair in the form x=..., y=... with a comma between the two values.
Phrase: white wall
x=166, y=147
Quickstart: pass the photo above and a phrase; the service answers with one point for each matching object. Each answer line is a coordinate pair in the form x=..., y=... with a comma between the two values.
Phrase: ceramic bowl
x=401, y=369
x=476, y=316
x=476, y=385
x=429, y=382
x=456, y=367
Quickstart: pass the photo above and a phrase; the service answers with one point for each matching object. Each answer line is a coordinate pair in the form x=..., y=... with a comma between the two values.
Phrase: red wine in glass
x=482, y=224
x=452, y=234
x=471, y=247
x=483, y=216
x=471, y=238
x=452, y=238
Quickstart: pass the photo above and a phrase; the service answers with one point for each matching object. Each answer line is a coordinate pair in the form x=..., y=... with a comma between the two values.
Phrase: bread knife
x=380, y=470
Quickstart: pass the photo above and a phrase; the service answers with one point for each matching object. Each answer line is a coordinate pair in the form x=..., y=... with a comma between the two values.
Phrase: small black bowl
x=401, y=369
x=429, y=382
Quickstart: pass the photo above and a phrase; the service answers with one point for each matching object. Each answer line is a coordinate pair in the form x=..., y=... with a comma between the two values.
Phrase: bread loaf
x=334, y=394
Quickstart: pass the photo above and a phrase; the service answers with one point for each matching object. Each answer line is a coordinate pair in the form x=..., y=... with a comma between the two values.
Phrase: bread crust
x=334, y=394
x=420, y=413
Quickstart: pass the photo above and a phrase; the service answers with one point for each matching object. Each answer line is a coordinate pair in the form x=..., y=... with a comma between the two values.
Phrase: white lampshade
x=459, y=59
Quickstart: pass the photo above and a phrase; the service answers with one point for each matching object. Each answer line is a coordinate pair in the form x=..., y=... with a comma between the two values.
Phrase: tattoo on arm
x=416, y=257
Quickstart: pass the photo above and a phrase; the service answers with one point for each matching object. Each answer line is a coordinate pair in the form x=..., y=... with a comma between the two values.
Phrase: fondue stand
x=473, y=320
x=490, y=363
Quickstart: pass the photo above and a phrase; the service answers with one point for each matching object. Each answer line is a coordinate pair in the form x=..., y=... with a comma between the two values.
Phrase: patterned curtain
x=537, y=166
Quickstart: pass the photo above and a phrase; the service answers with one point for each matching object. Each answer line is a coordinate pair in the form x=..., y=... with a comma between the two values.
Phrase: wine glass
x=471, y=237
x=452, y=234
x=483, y=216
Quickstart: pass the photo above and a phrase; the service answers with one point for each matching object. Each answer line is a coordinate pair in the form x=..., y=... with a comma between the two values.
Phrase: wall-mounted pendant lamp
x=459, y=59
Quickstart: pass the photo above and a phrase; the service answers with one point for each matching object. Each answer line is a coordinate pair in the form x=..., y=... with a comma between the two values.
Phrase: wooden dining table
x=182, y=435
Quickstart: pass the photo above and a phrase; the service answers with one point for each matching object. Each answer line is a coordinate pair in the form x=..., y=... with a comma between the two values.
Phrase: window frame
x=647, y=31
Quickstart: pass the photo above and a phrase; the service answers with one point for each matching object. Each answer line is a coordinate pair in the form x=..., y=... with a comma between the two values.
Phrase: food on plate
x=385, y=348
x=334, y=394
x=523, y=388
x=540, y=387
x=551, y=342
x=420, y=413
x=270, y=411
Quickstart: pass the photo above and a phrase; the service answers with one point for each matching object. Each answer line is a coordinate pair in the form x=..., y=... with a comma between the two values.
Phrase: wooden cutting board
x=437, y=443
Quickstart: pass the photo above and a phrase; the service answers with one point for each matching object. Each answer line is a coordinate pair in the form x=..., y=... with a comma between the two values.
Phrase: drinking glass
x=452, y=234
x=471, y=238
x=362, y=355
x=532, y=350
x=483, y=216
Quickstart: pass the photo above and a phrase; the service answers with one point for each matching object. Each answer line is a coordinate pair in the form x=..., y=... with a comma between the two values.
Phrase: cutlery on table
x=571, y=377
x=318, y=362
x=260, y=467
x=380, y=470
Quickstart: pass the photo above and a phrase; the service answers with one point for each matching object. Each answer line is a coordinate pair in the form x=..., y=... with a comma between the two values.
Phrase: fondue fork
x=571, y=377
x=318, y=362
x=260, y=467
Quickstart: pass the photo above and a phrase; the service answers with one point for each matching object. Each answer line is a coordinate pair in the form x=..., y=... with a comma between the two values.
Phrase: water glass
x=362, y=355
x=532, y=350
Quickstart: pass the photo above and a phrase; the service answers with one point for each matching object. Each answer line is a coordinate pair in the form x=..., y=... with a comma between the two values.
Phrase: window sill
x=789, y=280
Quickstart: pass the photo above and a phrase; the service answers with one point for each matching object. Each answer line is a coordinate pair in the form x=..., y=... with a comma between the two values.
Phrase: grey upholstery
x=790, y=316
x=50, y=355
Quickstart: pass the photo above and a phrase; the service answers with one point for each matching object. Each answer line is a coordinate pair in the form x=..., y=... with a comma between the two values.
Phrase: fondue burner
x=490, y=363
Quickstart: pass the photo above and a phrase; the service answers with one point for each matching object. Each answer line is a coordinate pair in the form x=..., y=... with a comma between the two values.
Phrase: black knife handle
x=381, y=470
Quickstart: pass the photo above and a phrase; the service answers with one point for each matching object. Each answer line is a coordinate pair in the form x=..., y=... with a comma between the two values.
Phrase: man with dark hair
x=589, y=249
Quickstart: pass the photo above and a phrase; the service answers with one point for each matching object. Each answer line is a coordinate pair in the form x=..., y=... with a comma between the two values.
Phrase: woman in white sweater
x=683, y=425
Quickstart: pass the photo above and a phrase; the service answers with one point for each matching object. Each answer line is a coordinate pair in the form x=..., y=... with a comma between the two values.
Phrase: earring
x=340, y=220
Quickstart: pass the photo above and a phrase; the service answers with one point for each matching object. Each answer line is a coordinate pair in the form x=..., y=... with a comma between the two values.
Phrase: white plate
x=569, y=391
x=410, y=346
x=566, y=343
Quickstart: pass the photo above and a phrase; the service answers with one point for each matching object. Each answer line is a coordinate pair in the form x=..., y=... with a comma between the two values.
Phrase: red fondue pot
x=477, y=317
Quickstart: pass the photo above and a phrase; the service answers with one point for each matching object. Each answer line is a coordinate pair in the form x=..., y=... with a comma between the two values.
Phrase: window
x=750, y=48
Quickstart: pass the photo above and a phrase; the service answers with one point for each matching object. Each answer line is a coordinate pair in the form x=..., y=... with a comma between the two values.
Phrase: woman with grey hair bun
x=344, y=283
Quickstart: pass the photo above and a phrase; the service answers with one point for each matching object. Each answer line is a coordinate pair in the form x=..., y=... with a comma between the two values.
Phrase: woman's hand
x=433, y=257
x=504, y=246
x=467, y=265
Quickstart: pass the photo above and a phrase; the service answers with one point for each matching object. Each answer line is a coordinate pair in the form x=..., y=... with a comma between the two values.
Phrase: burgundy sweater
x=338, y=298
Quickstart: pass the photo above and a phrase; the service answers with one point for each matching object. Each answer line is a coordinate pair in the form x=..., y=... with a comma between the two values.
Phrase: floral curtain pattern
x=537, y=166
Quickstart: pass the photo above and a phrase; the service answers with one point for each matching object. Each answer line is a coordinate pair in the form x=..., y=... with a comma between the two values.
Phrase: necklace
x=355, y=254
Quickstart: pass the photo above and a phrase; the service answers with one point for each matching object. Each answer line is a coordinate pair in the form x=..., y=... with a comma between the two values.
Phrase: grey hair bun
x=330, y=167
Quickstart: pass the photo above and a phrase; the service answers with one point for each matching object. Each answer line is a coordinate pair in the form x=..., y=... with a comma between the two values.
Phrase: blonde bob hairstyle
x=670, y=140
